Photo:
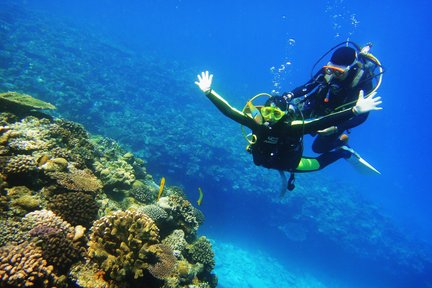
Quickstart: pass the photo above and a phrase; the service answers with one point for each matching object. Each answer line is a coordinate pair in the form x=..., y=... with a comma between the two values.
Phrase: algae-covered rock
x=23, y=101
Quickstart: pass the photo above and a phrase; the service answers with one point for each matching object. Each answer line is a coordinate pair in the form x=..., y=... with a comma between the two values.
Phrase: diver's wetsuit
x=322, y=98
x=279, y=146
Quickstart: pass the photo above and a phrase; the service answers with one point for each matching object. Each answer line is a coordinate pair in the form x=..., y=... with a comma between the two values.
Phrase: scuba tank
x=364, y=56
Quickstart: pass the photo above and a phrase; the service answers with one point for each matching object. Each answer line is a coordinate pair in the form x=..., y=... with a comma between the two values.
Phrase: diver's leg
x=309, y=164
x=325, y=143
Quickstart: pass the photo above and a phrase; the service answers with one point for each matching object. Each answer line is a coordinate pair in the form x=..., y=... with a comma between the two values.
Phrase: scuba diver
x=277, y=134
x=336, y=86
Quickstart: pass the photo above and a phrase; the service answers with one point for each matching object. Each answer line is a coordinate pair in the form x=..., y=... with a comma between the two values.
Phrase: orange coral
x=23, y=266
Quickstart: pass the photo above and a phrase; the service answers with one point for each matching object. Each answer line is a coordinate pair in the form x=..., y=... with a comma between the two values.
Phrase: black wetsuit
x=279, y=146
x=321, y=98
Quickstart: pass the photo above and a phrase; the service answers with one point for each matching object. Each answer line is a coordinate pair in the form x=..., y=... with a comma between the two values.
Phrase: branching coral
x=119, y=243
x=74, y=141
x=201, y=252
x=18, y=165
x=10, y=232
x=114, y=166
x=23, y=266
x=176, y=241
x=115, y=173
x=182, y=212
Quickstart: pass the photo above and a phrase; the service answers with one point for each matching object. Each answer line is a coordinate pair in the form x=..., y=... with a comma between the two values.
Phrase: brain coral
x=157, y=214
x=23, y=266
x=119, y=243
x=77, y=208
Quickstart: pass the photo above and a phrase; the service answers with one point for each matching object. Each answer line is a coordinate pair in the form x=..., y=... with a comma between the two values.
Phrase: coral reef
x=107, y=88
x=77, y=208
x=55, y=237
x=165, y=262
x=156, y=213
x=201, y=252
x=47, y=163
x=76, y=180
x=24, y=266
x=22, y=199
x=88, y=275
x=115, y=174
x=176, y=241
x=18, y=165
x=120, y=242
x=22, y=101
x=11, y=232
x=72, y=143
x=143, y=193
x=182, y=212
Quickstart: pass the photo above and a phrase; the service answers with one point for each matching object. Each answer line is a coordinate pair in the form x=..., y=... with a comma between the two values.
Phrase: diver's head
x=342, y=60
x=274, y=109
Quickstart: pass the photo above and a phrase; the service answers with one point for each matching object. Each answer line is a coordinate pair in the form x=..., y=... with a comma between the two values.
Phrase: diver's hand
x=204, y=82
x=328, y=131
x=367, y=104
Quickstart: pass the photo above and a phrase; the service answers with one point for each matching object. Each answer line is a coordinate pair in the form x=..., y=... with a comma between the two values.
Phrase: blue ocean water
x=272, y=45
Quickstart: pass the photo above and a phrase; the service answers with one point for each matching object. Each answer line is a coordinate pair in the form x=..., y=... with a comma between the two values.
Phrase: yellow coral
x=119, y=244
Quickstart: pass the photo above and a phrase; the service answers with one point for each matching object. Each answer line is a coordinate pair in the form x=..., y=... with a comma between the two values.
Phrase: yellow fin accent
x=201, y=194
x=161, y=187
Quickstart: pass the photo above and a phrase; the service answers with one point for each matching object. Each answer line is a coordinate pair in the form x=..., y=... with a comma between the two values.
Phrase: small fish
x=161, y=187
x=200, y=196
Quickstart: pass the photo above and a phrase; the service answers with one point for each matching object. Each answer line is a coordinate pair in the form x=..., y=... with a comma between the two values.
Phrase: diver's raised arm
x=363, y=105
x=204, y=83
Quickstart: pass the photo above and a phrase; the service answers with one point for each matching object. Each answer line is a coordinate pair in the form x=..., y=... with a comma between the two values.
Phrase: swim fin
x=359, y=163
x=284, y=183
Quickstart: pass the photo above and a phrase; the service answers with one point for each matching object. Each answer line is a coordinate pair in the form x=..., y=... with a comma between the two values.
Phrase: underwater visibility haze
x=139, y=148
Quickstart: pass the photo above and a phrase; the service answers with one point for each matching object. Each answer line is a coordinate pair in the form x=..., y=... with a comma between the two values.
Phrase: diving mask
x=272, y=113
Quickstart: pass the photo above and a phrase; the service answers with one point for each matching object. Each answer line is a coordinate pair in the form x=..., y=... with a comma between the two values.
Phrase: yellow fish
x=161, y=186
x=200, y=196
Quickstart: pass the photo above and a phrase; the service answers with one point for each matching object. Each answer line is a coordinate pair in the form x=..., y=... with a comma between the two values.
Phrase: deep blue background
x=239, y=41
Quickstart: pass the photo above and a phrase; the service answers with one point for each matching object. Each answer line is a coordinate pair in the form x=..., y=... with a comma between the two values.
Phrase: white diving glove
x=367, y=104
x=204, y=82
